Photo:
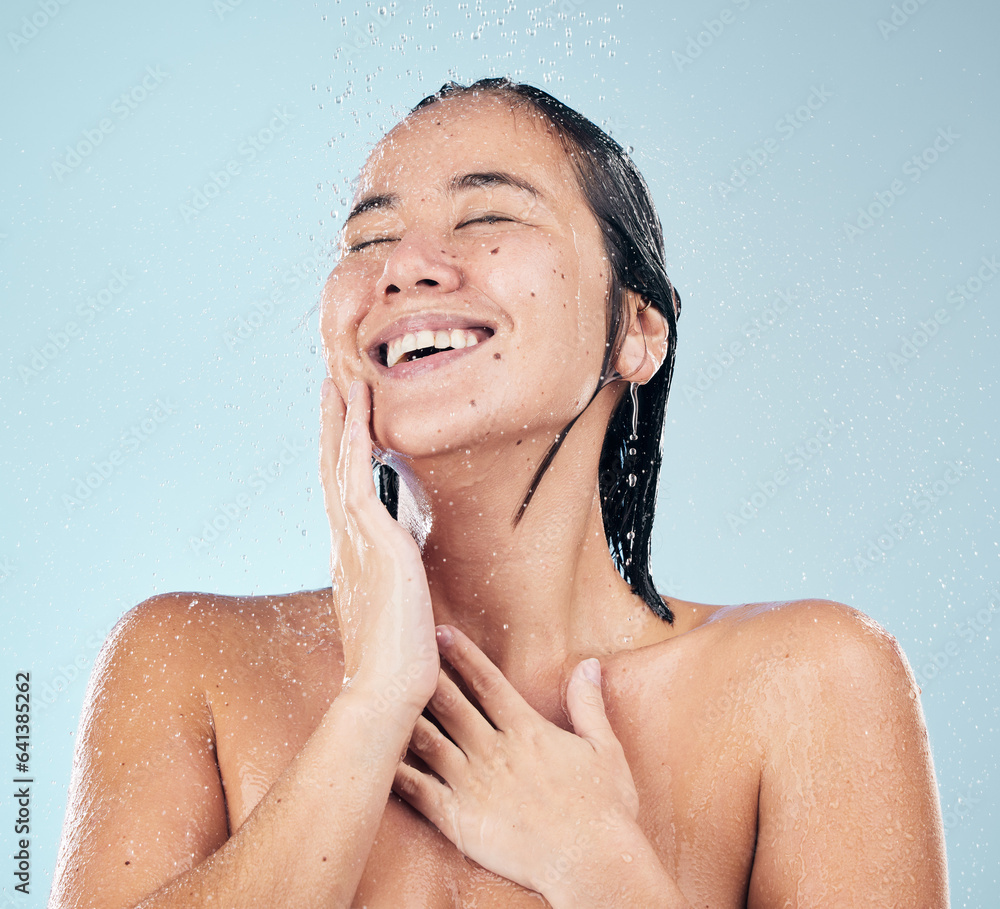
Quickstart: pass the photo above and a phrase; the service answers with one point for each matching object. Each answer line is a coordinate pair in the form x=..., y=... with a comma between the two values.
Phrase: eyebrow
x=370, y=203
x=458, y=183
x=489, y=179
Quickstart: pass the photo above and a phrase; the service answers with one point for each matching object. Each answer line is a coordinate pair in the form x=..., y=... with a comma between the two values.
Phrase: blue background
x=707, y=93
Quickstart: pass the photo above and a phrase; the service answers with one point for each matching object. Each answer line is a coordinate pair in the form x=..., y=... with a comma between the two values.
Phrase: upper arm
x=146, y=801
x=848, y=807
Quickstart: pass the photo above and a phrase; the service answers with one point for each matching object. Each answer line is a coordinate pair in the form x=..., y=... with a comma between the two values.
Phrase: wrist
x=386, y=695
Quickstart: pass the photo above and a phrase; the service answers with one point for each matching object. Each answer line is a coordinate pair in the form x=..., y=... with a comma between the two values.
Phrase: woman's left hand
x=523, y=798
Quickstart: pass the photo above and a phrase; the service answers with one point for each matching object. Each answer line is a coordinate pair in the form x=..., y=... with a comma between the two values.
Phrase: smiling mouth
x=425, y=343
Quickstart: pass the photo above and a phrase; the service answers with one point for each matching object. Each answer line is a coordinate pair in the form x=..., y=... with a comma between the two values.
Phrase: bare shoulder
x=833, y=709
x=798, y=662
x=815, y=703
x=147, y=799
x=168, y=657
x=815, y=635
x=833, y=675
x=179, y=633
x=829, y=644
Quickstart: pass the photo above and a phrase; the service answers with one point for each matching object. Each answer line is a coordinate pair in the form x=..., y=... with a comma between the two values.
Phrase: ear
x=645, y=346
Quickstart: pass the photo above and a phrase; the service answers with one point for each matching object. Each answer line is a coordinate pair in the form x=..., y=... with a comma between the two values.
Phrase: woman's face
x=471, y=241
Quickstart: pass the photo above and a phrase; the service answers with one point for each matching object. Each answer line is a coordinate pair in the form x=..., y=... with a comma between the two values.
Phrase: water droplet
x=633, y=391
x=632, y=479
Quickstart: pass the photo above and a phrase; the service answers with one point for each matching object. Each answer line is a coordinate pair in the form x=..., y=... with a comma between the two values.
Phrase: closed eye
x=357, y=247
x=485, y=219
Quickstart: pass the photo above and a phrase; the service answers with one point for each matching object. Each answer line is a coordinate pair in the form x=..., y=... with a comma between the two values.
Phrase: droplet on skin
x=626, y=857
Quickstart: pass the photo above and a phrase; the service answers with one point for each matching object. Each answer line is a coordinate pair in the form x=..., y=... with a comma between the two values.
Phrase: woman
x=567, y=737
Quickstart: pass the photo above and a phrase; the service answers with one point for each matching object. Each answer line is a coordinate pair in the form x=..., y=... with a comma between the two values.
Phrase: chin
x=426, y=433
x=408, y=445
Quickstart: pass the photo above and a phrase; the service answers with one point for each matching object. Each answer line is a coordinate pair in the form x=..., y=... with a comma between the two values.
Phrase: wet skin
x=789, y=723
x=756, y=755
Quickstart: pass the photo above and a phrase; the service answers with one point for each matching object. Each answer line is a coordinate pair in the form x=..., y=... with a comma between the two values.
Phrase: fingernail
x=592, y=670
x=355, y=429
x=355, y=386
x=326, y=388
x=444, y=635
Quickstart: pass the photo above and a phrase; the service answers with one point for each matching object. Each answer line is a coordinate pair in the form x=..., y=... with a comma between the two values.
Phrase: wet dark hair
x=633, y=240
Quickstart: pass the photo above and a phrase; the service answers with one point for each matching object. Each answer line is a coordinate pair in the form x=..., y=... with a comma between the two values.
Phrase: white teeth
x=442, y=339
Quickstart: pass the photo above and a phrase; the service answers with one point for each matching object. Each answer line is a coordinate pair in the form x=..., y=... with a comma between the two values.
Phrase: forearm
x=621, y=872
x=307, y=841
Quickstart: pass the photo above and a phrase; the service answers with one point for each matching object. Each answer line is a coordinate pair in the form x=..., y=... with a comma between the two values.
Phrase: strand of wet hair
x=553, y=449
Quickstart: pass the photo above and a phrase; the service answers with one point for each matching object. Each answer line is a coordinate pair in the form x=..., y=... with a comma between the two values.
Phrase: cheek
x=545, y=277
x=339, y=321
x=562, y=304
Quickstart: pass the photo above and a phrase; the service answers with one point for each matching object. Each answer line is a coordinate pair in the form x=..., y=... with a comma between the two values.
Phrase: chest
x=692, y=756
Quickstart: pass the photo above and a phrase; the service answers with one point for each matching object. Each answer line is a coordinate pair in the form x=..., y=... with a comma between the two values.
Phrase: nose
x=420, y=261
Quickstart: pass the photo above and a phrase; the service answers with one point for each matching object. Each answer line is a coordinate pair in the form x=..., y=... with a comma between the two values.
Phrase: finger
x=357, y=485
x=585, y=704
x=424, y=794
x=440, y=754
x=470, y=731
x=500, y=701
x=332, y=413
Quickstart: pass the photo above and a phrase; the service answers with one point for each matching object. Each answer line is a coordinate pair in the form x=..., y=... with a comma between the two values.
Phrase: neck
x=540, y=597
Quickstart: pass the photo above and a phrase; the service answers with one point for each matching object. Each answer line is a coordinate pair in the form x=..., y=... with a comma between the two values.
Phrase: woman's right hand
x=380, y=588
